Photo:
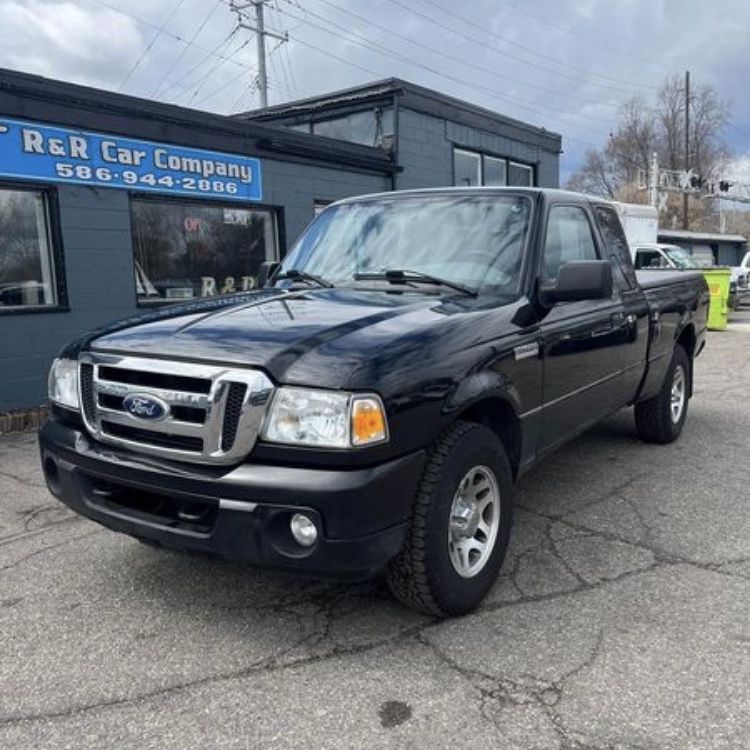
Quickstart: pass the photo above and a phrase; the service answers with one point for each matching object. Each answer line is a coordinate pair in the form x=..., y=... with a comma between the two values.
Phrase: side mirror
x=578, y=280
x=267, y=269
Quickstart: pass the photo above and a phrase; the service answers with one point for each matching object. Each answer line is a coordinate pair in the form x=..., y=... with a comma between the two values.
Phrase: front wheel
x=661, y=418
x=460, y=524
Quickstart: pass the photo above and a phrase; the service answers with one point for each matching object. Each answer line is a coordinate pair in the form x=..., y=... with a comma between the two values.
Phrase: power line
x=231, y=82
x=372, y=72
x=444, y=55
x=565, y=30
x=145, y=52
x=211, y=53
x=529, y=50
x=401, y=58
x=187, y=46
x=213, y=70
x=171, y=35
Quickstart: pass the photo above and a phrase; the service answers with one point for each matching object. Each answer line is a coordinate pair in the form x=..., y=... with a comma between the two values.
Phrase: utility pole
x=687, y=147
x=260, y=38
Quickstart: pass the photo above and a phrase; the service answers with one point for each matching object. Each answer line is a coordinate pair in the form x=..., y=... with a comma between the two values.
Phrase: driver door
x=582, y=342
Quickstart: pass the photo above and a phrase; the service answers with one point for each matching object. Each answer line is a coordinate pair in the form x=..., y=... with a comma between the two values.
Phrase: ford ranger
x=369, y=410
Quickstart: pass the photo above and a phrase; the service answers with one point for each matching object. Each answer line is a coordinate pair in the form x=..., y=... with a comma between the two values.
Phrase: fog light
x=303, y=530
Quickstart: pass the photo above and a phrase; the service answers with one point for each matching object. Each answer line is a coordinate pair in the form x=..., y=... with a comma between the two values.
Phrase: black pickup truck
x=369, y=410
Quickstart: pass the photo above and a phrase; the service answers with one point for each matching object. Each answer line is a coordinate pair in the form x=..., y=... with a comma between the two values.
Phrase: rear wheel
x=661, y=418
x=460, y=524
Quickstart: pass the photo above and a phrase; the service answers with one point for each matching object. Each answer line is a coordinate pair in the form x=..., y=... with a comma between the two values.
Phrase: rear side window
x=568, y=238
x=615, y=243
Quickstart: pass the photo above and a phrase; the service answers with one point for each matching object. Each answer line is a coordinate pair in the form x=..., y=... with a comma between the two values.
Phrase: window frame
x=480, y=165
x=277, y=211
x=503, y=160
x=55, y=242
x=543, y=240
x=523, y=165
x=482, y=157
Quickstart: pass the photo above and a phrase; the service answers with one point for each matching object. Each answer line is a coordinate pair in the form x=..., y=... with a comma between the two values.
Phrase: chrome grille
x=213, y=413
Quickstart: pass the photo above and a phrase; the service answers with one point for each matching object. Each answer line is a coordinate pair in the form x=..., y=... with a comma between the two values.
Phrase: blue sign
x=31, y=151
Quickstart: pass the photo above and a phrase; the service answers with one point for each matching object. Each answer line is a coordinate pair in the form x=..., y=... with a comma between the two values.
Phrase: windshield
x=474, y=240
x=681, y=258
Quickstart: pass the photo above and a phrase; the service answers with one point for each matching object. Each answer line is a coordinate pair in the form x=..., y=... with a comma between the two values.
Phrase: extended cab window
x=616, y=244
x=568, y=238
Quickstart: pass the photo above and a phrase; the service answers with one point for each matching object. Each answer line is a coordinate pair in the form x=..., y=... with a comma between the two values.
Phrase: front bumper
x=239, y=513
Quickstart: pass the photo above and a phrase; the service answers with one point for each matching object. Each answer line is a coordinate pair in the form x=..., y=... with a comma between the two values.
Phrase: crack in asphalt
x=50, y=526
x=48, y=548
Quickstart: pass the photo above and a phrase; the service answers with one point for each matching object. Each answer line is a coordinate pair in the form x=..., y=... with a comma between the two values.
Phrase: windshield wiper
x=406, y=276
x=296, y=275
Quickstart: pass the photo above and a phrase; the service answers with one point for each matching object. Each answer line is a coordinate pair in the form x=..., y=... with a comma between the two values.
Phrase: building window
x=372, y=127
x=495, y=171
x=185, y=250
x=472, y=168
x=27, y=269
x=521, y=175
x=467, y=168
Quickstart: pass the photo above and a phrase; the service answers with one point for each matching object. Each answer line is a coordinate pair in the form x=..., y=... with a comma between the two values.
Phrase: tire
x=655, y=419
x=424, y=576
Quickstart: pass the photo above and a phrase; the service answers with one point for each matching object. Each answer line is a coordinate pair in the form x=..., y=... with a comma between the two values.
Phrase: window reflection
x=186, y=250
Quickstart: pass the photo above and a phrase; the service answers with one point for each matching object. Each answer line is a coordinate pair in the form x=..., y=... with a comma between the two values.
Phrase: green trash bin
x=718, y=287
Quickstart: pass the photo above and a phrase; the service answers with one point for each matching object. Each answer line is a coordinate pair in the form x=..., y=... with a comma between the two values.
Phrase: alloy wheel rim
x=474, y=521
x=677, y=396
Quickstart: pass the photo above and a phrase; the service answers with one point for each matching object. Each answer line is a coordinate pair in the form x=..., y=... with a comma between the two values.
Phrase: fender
x=480, y=386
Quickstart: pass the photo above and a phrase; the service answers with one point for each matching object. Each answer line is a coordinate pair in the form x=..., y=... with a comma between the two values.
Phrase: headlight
x=326, y=419
x=63, y=383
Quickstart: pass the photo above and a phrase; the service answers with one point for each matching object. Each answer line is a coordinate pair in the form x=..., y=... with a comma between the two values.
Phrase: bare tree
x=642, y=129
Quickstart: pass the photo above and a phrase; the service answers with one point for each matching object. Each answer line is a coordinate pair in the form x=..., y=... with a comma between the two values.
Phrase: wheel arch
x=499, y=415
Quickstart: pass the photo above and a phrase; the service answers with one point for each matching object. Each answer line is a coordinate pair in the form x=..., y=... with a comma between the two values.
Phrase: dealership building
x=111, y=205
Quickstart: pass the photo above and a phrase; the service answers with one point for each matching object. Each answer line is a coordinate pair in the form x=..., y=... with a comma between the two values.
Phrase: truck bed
x=664, y=277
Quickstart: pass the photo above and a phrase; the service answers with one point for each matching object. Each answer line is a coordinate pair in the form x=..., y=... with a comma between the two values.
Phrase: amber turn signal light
x=368, y=421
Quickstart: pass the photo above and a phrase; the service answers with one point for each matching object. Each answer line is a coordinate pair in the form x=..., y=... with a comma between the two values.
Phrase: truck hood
x=309, y=337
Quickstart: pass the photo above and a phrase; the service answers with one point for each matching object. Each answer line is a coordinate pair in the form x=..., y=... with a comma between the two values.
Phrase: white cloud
x=68, y=40
x=563, y=64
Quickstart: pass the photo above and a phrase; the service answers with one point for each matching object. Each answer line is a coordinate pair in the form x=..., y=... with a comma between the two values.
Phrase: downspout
x=394, y=153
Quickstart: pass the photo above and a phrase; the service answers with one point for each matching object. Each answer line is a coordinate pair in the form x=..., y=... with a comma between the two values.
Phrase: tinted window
x=568, y=238
x=467, y=168
x=616, y=244
x=27, y=277
x=187, y=250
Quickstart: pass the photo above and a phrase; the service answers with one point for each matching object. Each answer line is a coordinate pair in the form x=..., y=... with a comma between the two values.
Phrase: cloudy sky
x=563, y=64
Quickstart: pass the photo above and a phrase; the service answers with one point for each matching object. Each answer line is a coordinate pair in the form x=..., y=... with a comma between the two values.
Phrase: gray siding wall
x=426, y=144
x=97, y=246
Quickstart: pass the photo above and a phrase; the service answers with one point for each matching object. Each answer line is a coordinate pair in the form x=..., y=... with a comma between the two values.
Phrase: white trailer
x=640, y=222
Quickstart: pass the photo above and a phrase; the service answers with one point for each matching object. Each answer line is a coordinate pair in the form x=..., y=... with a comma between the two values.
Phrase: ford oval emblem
x=145, y=406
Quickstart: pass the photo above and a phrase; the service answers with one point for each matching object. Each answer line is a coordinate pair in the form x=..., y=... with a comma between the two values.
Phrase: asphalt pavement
x=621, y=618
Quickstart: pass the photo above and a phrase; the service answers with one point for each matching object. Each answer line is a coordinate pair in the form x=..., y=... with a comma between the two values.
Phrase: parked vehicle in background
x=371, y=408
x=640, y=222
x=660, y=255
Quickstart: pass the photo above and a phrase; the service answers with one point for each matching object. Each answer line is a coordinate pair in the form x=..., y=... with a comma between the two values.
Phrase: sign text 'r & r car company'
x=33, y=151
